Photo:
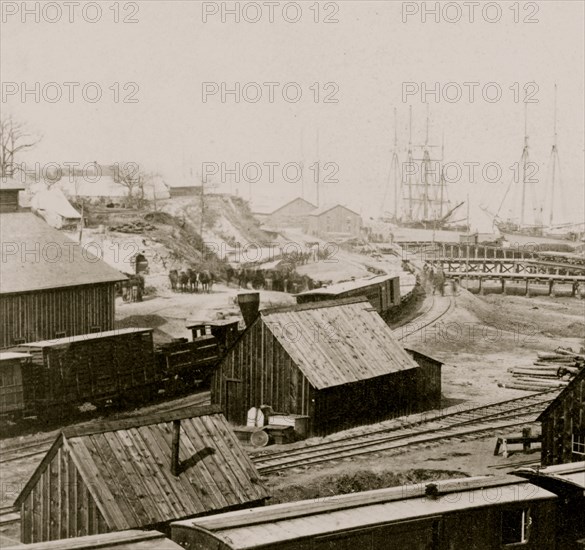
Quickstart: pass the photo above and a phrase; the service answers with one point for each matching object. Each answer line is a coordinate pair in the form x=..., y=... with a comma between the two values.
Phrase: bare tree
x=130, y=176
x=14, y=139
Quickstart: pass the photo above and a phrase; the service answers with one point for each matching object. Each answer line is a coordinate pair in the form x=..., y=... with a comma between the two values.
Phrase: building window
x=578, y=444
x=515, y=524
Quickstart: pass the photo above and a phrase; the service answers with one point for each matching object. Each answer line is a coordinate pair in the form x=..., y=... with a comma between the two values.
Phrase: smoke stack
x=249, y=303
x=175, y=447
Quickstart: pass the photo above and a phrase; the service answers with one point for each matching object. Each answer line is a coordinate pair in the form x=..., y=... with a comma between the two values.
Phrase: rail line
x=482, y=418
x=429, y=317
x=19, y=452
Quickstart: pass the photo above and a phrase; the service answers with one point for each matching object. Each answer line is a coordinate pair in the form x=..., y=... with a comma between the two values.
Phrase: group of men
x=433, y=279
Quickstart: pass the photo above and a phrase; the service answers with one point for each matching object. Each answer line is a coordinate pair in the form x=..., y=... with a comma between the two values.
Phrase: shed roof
x=8, y=355
x=325, y=208
x=122, y=540
x=340, y=288
x=289, y=203
x=579, y=377
x=337, y=342
x=11, y=184
x=287, y=522
x=126, y=466
x=83, y=337
x=39, y=257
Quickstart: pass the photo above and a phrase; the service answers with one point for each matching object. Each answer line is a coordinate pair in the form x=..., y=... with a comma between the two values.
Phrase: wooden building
x=137, y=473
x=292, y=214
x=483, y=513
x=51, y=286
x=184, y=191
x=383, y=292
x=9, y=192
x=334, y=222
x=123, y=540
x=336, y=362
x=563, y=425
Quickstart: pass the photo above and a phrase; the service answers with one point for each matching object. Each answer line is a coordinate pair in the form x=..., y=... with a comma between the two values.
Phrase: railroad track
x=22, y=452
x=475, y=420
x=433, y=314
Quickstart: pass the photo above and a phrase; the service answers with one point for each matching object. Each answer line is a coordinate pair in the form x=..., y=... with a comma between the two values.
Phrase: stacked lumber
x=550, y=370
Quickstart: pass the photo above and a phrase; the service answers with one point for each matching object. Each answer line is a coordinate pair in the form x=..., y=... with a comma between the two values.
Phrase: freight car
x=383, y=292
x=51, y=377
x=544, y=513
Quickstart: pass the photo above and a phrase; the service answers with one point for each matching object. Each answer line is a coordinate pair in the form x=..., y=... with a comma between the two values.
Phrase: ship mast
x=410, y=164
x=553, y=157
x=524, y=159
x=395, y=170
x=425, y=166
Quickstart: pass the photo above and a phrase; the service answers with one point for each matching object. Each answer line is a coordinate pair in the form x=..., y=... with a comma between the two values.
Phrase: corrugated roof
x=122, y=540
x=327, y=207
x=83, y=337
x=337, y=342
x=346, y=286
x=283, y=523
x=127, y=467
x=39, y=257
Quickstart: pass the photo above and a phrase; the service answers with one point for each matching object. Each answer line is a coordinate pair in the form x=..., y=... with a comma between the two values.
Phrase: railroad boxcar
x=95, y=368
x=11, y=386
x=486, y=512
x=383, y=292
x=191, y=362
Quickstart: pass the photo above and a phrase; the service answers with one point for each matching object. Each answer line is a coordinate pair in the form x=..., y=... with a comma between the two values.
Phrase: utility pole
x=411, y=165
x=525, y=157
x=202, y=213
x=554, y=155
x=317, y=171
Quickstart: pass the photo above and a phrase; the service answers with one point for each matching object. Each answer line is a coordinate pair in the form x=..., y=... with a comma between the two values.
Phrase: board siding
x=34, y=316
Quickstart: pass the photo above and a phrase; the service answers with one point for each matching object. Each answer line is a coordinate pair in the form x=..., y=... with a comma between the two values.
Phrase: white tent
x=52, y=205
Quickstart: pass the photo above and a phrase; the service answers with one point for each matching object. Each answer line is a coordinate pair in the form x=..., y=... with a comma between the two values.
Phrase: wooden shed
x=335, y=221
x=337, y=362
x=124, y=540
x=292, y=214
x=383, y=292
x=51, y=286
x=563, y=425
x=10, y=189
x=137, y=473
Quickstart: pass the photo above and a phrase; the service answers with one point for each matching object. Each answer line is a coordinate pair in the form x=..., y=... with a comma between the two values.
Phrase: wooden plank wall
x=11, y=388
x=267, y=376
x=566, y=417
x=41, y=315
x=60, y=505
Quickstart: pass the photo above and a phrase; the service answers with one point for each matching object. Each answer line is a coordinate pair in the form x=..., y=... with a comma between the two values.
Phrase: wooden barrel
x=259, y=438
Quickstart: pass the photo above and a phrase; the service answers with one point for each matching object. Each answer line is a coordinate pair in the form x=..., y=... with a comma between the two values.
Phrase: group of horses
x=191, y=280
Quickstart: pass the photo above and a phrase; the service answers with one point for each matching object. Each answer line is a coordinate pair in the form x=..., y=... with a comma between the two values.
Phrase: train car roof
x=127, y=540
x=8, y=355
x=339, y=288
x=83, y=337
x=281, y=523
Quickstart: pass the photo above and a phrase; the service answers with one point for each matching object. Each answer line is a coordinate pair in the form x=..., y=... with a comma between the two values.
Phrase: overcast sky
x=368, y=55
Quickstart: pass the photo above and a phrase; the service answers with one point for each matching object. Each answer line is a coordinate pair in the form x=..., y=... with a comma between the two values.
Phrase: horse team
x=191, y=280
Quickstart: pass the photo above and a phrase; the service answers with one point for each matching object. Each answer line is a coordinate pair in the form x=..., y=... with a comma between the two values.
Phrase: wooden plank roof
x=282, y=523
x=122, y=540
x=126, y=466
x=9, y=355
x=39, y=257
x=337, y=342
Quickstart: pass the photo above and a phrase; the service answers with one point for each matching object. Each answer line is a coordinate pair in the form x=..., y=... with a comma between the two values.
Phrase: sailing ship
x=540, y=218
x=419, y=200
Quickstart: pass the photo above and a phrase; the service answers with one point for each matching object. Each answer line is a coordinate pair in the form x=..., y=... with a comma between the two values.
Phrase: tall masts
x=395, y=169
x=553, y=157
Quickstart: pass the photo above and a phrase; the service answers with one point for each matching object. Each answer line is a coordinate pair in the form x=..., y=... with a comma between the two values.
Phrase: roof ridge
x=141, y=421
x=314, y=305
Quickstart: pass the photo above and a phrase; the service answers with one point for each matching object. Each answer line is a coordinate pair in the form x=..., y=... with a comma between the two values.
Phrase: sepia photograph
x=292, y=275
